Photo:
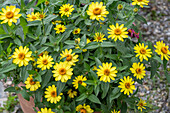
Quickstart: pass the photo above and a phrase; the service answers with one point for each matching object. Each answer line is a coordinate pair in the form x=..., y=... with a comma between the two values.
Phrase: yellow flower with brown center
x=79, y=80
x=45, y=62
x=45, y=110
x=72, y=93
x=107, y=72
x=41, y=15
x=33, y=17
x=140, y=2
x=141, y=105
x=115, y=111
x=118, y=32
x=99, y=37
x=162, y=49
x=126, y=85
x=97, y=11
x=10, y=14
x=47, y=2
x=76, y=31
x=84, y=109
x=63, y=71
x=142, y=51
x=60, y=28
x=31, y=84
x=71, y=58
x=51, y=94
x=22, y=56
x=66, y=10
x=138, y=70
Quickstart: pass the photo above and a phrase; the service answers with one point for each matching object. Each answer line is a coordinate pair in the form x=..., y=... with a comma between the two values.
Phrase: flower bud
x=47, y=2
x=119, y=7
x=135, y=10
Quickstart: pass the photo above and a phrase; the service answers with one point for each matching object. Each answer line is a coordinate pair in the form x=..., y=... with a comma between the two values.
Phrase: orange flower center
x=9, y=15
x=34, y=17
x=97, y=11
x=41, y=16
x=164, y=50
x=142, y=51
x=83, y=111
x=118, y=31
x=127, y=85
x=99, y=38
x=141, y=104
x=66, y=9
x=80, y=81
x=107, y=72
x=31, y=81
x=45, y=62
x=60, y=28
x=138, y=71
x=21, y=56
x=69, y=57
x=53, y=93
x=62, y=71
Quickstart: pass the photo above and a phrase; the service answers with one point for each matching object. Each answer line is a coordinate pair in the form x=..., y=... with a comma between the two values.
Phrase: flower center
x=53, y=93
x=83, y=111
x=62, y=71
x=142, y=51
x=99, y=38
x=107, y=72
x=32, y=82
x=45, y=62
x=141, y=104
x=66, y=9
x=69, y=57
x=138, y=71
x=97, y=11
x=118, y=31
x=34, y=18
x=41, y=54
x=139, y=0
x=80, y=81
x=127, y=85
x=41, y=16
x=60, y=28
x=76, y=31
x=21, y=56
x=164, y=50
x=9, y=15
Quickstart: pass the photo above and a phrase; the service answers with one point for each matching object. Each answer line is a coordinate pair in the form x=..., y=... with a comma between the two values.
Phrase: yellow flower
x=88, y=41
x=21, y=56
x=47, y=2
x=118, y=32
x=79, y=80
x=76, y=31
x=63, y=71
x=135, y=10
x=71, y=58
x=33, y=17
x=31, y=84
x=84, y=109
x=127, y=85
x=162, y=49
x=71, y=93
x=44, y=62
x=45, y=110
x=43, y=53
x=99, y=37
x=140, y=2
x=138, y=70
x=41, y=15
x=57, y=21
x=94, y=68
x=66, y=10
x=115, y=111
x=77, y=41
x=120, y=7
x=51, y=94
x=141, y=104
x=60, y=28
x=142, y=51
x=10, y=14
x=97, y=11
x=107, y=72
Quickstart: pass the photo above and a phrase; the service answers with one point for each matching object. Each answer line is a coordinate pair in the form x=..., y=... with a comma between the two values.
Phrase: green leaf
x=10, y=89
x=122, y=68
x=17, y=41
x=115, y=94
x=39, y=2
x=91, y=46
x=127, y=56
x=88, y=22
x=23, y=23
x=8, y=68
x=107, y=44
x=49, y=19
x=48, y=29
x=42, y=49
x=2, y=36
x=129, y=23
x=124, y=107
x=86, y=66
x=46, y=78
x=69, y=42
x=110, y=2
x=81, y=97
x=140, y=18
x=105, y=88
x=34, y=23
x=60, y=87
x=25, y=94
x=38, y=95
x=94, y=99
x=98, y=62
x=158, y=59
x=153, y=68
x=38, y=31
x=112, y=56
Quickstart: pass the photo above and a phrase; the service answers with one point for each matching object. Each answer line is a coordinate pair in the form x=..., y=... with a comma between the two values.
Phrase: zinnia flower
x=79, y=80
x=66, y=9
x=31, y=84
x=140, y=2
x=45, y=110
x=141, y=104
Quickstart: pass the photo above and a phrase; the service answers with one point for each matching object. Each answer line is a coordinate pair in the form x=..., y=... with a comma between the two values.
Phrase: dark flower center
x=97, y=11
x=142, y=51
x=118, y=31
x=9, y=15
x=45, y=62
x=31, y=81
x=53, y=93
x=164, y=50
x=69, y=57
x=21, y=56
x=138, y=71
x=127, y=85
x=80, y=81
x=66, y=9
x=107, y=72
x=62, y=71
x=83, y=111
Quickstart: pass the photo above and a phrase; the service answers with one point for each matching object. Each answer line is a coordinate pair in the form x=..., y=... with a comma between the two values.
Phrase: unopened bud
x=135, y=10
x=120, y=7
